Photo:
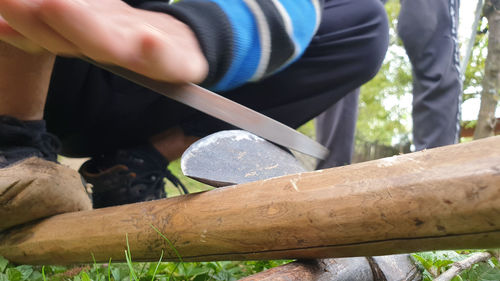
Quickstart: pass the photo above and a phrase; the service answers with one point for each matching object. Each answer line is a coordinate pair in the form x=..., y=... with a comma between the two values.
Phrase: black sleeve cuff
x=212, y=28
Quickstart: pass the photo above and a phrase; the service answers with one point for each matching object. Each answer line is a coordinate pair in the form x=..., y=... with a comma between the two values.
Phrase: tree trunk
x=491, y=83
x=472, y=39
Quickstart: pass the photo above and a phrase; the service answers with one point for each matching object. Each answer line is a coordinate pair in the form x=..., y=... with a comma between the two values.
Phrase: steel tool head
x=235, y=157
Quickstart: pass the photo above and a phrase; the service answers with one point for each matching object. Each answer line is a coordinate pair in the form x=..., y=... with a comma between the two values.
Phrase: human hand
x=11, y=36
x=109, y=31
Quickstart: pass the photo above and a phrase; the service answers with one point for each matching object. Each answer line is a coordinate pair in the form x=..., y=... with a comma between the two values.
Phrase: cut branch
x=443, y=198
x=462, y=265
x=395, y=267
x=311, y=270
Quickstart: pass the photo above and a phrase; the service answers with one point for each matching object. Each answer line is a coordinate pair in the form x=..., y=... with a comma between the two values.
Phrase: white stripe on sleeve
x=264, y=36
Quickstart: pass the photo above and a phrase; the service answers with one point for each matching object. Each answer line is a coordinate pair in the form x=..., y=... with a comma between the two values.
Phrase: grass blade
x=43, y=273
x=128, y=257
x=109, y=270
x=169, y=242
x=157, y=265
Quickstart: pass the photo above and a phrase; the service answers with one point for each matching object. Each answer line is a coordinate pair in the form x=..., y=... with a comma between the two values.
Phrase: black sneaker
x=128, y=176
x=20, y=140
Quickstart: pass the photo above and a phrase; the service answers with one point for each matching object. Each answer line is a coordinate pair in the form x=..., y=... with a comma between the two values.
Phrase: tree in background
x=384, y=122
x=474, y=73
x=491, y=82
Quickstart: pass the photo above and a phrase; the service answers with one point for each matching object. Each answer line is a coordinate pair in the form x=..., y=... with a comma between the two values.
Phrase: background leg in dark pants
x=428, y=29
x=335, y=129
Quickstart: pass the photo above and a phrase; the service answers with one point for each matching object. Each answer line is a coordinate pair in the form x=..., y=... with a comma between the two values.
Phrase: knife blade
x=224, y=109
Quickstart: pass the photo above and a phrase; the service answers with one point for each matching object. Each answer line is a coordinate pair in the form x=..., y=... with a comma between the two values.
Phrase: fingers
x=101, y=30
x=11, y=36
x=23, y=17
x=109, y=31
x=22, y=43
x=172, y=58
x=152, y=56
x=6, y=29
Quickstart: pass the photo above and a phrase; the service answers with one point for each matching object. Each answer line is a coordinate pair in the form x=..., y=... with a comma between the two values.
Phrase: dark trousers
x=335, y=129
x=93, y=111
x=428, y=29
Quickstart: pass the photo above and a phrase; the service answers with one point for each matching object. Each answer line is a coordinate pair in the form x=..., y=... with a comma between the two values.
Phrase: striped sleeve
x=246, y=40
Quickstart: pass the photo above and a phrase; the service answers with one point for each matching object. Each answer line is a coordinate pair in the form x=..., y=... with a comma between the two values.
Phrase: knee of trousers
x=370, y=43
x=421, y=22
x=350, y=48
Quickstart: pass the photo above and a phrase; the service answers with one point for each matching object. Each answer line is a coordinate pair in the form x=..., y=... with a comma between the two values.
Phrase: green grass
x=132, y=271
x=430, y=263
x=192, y=185
x=434, y=263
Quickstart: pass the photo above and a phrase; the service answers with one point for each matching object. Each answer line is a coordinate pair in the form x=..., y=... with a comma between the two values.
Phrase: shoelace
x=156, y=178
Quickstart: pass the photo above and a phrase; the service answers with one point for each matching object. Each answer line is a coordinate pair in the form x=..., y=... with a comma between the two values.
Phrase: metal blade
x=226, y=110
x=236, y=157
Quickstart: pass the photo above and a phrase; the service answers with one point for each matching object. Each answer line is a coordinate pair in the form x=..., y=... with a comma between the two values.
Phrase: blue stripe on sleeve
x=246, y=53
x=303, y=17
x=247, y=49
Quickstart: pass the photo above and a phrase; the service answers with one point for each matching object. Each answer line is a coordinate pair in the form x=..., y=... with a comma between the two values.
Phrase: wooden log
x=382, y=268
x=444, y=198
x=343, y=269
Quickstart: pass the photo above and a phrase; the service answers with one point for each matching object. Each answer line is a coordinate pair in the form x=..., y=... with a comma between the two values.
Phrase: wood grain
x=444, y=198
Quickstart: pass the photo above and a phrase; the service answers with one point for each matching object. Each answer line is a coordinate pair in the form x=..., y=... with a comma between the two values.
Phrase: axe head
x=235, y=157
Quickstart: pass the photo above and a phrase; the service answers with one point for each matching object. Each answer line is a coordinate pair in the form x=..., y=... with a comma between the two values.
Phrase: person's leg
x=335, y=130
x=24, y=80
x=115, y=122
x=32, y=186
x=105, y=114
x=428, y=29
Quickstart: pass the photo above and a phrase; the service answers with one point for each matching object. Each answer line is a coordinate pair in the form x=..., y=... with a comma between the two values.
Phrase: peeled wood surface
x=382, y=268
x=344, y=269
x=444, y=198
